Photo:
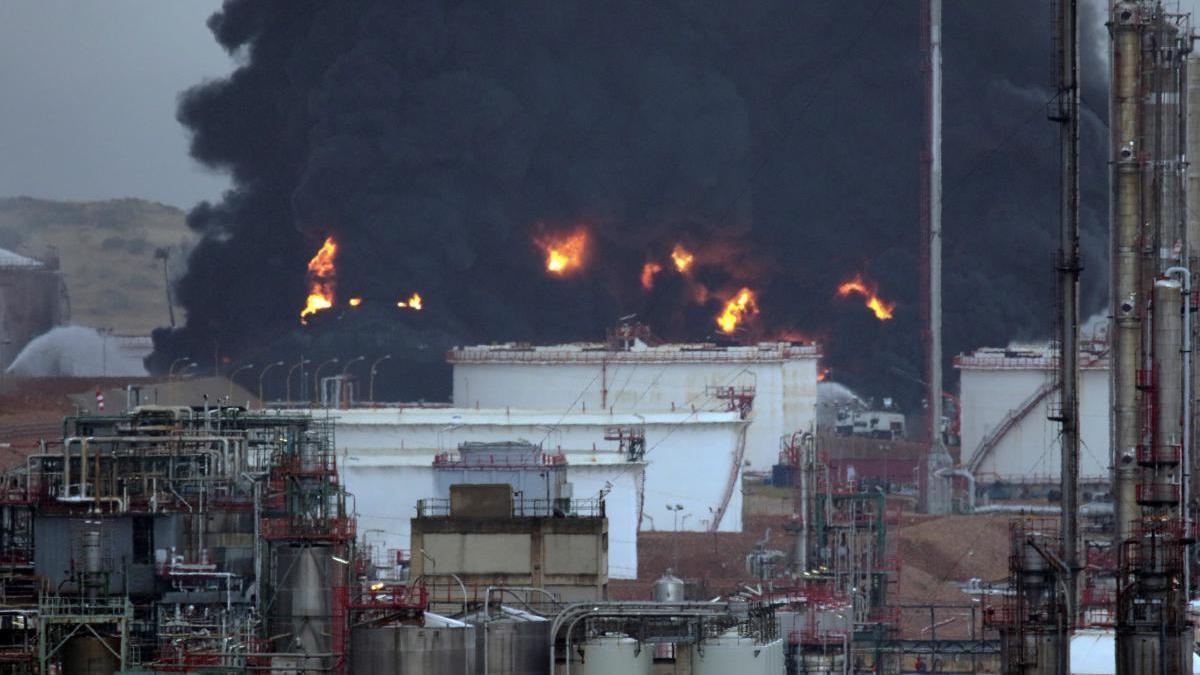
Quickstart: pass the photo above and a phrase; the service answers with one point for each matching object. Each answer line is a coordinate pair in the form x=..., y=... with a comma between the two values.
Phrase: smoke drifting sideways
x=437, y=140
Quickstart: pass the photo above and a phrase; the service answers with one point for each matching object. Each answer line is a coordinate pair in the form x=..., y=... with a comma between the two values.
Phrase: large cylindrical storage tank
x=616, y=655
x=732, y=654
x=90, y=656
x=302, y=616
x=413, y=650
x=513, y=647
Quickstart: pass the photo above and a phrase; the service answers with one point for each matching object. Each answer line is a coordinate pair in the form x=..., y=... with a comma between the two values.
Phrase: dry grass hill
x=106, y=251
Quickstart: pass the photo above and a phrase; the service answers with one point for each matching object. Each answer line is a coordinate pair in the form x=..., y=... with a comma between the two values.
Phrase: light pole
x=317, y=380
x=171, y=376
x=288, y=383
x=371, y=387
x=232, y=375
x=171, y=370
x=675, y=509
x=342, y=383
x=261, y=401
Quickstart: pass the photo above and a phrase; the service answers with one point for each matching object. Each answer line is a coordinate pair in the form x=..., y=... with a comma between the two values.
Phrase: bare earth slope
x=106, y=251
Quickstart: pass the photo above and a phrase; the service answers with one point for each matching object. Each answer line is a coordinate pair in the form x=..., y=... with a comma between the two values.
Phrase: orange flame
x=413, y=302
x=823, y=375
x=682, y=257
x=321, y=276
x=648, y=272
x=883, y=310
x=355, y=302
x=741, y=307
x=564, y=254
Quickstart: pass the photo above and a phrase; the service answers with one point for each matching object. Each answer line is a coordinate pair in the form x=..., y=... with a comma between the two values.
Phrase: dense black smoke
x=779, y=139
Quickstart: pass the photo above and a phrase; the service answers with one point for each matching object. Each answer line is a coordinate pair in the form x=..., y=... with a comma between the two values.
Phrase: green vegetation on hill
x=106, y=251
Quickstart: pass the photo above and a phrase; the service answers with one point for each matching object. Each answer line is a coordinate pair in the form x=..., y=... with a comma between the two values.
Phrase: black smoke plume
x=436, y=139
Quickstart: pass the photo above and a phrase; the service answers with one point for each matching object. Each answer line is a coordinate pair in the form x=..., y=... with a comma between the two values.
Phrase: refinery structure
x=646, y=506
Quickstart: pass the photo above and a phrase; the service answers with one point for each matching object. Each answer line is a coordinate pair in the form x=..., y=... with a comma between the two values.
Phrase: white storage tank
x=616, y=654
x=732, y=654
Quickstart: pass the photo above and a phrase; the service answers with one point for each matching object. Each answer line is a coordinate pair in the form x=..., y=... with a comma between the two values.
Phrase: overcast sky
x=88, y=91
x=87, y=98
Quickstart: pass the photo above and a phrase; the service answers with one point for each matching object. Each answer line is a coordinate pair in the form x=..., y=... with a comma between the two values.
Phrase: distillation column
x=1125, y=238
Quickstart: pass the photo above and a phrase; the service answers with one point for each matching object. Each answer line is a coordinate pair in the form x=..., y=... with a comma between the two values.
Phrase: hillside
x=106, y=251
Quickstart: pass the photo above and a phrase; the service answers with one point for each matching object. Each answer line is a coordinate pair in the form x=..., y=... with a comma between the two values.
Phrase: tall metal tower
x=935, y=495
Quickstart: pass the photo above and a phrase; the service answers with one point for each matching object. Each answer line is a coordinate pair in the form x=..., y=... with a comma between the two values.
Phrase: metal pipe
x=624, y=608
x=1185, y=277
x=962, y=473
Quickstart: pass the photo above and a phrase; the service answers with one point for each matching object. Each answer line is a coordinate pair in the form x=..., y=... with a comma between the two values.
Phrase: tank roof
x=11, y=259
x=1092, y=356
x=441, y=417
x=637, y=352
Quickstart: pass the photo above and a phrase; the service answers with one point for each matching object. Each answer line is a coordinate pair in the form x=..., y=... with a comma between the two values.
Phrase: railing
x=1151, y=455
x=597, y=353
x=446, y=460
x=1157, y=493
x=332, y=529
x=389, y=596
x=524, y=508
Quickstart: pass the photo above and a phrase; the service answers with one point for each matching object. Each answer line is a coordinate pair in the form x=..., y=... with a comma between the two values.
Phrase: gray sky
x=88, y=91
x=87, y=98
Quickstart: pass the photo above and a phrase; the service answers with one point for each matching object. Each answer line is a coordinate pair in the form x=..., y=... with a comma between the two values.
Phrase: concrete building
x=487, y=538
x=31, y=302
x=630, y=374
x=1008, y=397
x=689, y=459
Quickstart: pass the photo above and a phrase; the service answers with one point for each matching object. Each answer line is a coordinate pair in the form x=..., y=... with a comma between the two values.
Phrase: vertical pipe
x=1126, y=301
x=936, y=495
x=1068, y=286
x=1185, y=277
x=1191, y=212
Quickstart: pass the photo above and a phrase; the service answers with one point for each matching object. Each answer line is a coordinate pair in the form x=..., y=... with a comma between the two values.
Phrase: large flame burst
x=883, y=310
x=564, y=253
x=683, y=258
x=648, y=272
x=413, y=302
x=321, y=278
x=738, y=309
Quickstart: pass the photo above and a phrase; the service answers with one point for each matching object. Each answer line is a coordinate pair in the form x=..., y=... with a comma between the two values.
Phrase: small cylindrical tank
x=512, y=647
x=731, y=653
x=616, y=655
x=669, y=588
x=440, y=647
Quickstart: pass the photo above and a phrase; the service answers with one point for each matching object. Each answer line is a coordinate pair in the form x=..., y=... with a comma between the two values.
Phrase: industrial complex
x=626, y=504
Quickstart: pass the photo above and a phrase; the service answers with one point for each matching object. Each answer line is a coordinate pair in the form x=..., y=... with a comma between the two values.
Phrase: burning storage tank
x=773, y=383
x=31, y=294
